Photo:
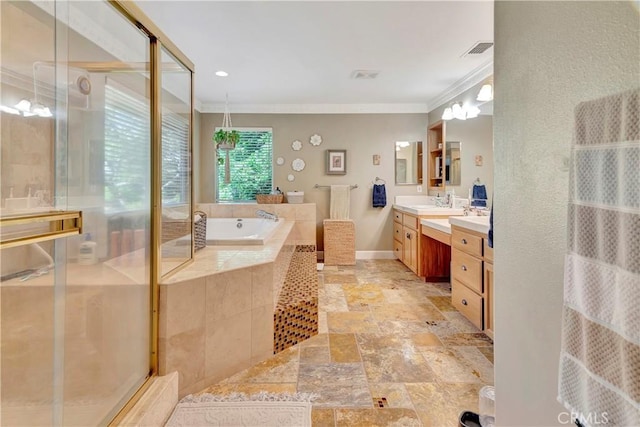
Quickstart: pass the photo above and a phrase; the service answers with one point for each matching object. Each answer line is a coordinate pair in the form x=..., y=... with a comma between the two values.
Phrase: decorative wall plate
x=296, y=145
x=298, y=165
x=315, y=140
x=280, y=161
x=290, y=177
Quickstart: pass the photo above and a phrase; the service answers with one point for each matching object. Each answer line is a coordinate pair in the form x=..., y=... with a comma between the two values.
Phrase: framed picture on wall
x=336, y=162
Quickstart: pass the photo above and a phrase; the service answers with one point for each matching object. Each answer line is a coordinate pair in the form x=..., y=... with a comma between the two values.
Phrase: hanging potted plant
x=226, y=139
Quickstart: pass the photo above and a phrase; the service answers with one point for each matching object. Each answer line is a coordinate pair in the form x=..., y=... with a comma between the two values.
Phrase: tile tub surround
x=216, y=315
x=304, y=215
x=391, y=350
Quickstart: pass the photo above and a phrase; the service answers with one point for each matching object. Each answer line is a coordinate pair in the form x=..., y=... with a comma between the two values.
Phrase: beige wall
x=362, y=135
x=549, y=57
x=476, y=136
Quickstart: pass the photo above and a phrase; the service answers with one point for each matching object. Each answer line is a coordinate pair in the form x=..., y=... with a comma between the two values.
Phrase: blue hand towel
x=379, y=196
x=479, y=195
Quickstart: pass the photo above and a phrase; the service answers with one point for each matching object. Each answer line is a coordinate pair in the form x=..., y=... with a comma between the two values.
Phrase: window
x=250, y=166
x=127, y=151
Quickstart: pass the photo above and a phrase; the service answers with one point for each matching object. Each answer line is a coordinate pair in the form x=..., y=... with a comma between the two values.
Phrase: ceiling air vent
x=364, y=74
x=478, y=48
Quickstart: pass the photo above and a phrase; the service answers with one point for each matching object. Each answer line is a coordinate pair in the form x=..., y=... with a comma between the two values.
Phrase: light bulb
x=24, y=105
x=458, y=112
x=41, y=110
x=447, y=114
x=486, y=93
x=9, y=110
x=472, y=112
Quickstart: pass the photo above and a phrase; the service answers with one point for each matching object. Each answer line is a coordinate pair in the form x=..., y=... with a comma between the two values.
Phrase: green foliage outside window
x=250, y=164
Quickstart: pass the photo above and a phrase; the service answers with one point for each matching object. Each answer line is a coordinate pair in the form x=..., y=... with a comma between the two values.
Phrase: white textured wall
x=549, y=56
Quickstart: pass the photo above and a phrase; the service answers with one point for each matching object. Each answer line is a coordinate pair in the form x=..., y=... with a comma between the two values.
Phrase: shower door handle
x=15, y=230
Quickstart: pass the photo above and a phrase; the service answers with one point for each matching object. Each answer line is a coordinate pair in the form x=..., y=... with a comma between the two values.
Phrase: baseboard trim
x=375, y=255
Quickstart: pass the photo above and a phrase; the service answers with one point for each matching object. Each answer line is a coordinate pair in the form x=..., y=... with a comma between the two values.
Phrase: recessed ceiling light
x=221, y=73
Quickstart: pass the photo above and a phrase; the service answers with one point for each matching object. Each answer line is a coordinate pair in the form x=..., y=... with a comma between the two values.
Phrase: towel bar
x=328, y=186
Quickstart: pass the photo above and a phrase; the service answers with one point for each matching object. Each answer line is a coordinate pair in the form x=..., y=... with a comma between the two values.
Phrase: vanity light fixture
x=35, y=108
x=486, y=93
x=460, y=111
x=221, y=73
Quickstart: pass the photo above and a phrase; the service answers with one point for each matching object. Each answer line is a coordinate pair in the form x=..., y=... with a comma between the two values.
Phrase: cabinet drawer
x=397, y=249
x=488, y=252
x=466, y=269
x=397, y=231
x=467, y=302
x=410, y=221
x=397, y=216
x=467, y=242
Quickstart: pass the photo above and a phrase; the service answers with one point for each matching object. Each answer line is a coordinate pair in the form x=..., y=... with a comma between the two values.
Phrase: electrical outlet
x=419, y=188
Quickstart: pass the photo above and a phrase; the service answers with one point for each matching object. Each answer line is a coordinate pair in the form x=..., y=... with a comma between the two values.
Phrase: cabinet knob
x=408, y=236
x=464, y=268
x=464, y=241
x=464, y=302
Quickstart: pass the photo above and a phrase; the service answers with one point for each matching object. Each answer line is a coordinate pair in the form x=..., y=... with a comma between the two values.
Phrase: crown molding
x=317, y=108
x=467, y=82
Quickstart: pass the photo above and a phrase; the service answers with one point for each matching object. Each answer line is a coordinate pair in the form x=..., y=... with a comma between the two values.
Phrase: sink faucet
x=266, y=215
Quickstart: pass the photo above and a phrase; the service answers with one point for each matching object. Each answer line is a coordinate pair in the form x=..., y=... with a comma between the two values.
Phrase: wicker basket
x=269, y=198
x=200, y=230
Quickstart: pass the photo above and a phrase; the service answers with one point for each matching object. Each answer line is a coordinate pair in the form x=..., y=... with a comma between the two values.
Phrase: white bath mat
x=238, y=409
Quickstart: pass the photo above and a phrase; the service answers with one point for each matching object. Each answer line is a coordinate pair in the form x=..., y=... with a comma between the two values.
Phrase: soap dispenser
x=87, y=254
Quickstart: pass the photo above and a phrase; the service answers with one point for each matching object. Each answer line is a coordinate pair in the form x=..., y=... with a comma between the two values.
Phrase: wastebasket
x=469, y=419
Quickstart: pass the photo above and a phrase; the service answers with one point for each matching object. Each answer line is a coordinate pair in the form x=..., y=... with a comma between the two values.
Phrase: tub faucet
x=266, y=215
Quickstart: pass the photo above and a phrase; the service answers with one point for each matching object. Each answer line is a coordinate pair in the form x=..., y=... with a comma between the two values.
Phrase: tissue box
x=295, y=196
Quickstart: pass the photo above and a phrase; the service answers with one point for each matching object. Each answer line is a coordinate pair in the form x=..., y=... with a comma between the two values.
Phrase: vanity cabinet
x=472, y=277
x=405, y=239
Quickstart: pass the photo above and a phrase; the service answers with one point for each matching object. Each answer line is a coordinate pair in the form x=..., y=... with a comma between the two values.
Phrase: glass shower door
x=75, y=312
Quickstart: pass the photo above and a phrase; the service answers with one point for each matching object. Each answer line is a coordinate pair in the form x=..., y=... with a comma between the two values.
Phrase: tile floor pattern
x=391, y=351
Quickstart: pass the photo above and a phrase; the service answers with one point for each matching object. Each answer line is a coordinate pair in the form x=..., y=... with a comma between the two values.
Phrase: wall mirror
x=453, y=163
x=408, y=162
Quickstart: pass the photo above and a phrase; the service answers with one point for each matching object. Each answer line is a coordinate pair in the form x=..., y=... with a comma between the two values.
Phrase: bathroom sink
x=429, y=210
x=476, y=223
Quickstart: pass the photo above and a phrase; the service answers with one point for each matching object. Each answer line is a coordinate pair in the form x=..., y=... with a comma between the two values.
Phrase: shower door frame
x=158, y=40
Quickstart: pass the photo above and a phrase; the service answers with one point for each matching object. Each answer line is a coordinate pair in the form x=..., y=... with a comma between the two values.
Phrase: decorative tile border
x=296, y=315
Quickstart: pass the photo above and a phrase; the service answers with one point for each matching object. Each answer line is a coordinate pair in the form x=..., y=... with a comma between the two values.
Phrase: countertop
x=428, y=210
x=479, y=224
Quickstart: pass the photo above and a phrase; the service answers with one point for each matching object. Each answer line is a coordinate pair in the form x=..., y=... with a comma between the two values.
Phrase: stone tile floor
x=391, y=350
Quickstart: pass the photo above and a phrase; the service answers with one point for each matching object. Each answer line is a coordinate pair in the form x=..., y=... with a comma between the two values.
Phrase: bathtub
x=253, y=231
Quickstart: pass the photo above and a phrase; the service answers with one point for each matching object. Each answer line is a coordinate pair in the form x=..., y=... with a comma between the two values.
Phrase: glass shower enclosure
x=95, y=138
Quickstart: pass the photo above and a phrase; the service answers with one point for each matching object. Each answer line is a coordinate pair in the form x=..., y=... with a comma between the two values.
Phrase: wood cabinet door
x=410, y=256
x=488, y=300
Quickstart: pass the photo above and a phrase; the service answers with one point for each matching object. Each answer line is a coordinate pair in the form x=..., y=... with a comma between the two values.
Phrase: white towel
x=340, y=200
x=600, y=355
